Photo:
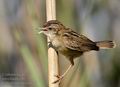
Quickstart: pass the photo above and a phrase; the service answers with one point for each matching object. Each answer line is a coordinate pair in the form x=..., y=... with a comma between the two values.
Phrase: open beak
x=42, y=30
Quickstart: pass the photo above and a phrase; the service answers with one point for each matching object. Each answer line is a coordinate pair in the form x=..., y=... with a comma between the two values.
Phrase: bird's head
x=52, y=28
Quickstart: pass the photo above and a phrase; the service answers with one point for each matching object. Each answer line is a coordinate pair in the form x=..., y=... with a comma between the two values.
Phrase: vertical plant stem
x=52, y=55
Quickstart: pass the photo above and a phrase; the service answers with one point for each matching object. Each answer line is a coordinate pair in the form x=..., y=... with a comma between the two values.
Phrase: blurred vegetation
x=23, y=53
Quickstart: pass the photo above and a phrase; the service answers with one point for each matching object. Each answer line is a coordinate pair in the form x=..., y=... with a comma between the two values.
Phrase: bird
x=70, y=43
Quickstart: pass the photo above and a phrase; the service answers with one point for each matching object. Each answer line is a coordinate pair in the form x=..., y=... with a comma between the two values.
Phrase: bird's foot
x=59, y=79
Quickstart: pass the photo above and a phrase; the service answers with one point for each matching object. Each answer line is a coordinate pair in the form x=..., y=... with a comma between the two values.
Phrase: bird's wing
x=74, y=41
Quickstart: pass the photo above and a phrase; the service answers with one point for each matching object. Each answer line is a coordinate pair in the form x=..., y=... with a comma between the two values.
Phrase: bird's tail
x=106, y=44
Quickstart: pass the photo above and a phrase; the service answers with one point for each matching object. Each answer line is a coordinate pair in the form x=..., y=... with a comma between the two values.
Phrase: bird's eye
x=50, y=28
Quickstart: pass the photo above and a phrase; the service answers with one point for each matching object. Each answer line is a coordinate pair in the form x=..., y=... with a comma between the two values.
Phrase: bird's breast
x=57, y=43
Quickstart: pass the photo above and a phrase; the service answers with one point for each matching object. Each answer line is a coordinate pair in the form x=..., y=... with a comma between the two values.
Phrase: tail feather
x=105, y=44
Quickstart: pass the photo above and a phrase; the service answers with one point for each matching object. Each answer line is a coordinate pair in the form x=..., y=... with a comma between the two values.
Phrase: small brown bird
x=69, y=43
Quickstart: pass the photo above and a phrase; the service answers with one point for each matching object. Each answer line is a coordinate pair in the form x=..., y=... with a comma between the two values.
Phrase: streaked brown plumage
x=69, y=43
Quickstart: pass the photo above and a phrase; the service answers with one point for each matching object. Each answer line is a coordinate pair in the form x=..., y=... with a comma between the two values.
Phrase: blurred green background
x=23, y=53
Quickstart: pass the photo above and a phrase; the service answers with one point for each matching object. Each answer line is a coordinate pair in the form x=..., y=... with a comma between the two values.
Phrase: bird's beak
x=42, y=30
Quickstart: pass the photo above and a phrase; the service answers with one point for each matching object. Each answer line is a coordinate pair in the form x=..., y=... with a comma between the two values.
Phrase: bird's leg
x=62, y=76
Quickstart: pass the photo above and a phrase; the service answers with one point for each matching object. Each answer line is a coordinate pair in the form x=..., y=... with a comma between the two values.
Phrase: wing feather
x=74, y=41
